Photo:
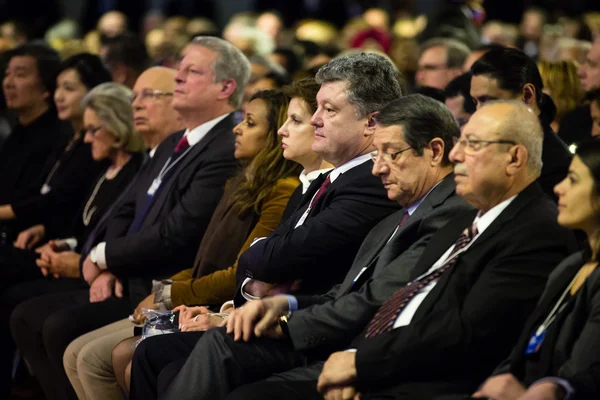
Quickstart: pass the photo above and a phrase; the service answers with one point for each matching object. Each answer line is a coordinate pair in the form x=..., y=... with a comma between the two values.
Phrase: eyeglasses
x=474, y=145
x=146, y=94
x=92, y=130
x=387, y=157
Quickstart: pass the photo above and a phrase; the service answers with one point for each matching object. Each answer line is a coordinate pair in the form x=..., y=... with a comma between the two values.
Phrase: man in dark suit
x=412, y=136
x=312, y=250
x=509, y=74
x=467, y=297
x=159, y=225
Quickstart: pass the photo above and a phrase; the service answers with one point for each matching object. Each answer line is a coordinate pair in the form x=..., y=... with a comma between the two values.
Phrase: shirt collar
x=355, y=162
x=413, y=207
x=307, y=179
x=484, y=221
x=196, y=134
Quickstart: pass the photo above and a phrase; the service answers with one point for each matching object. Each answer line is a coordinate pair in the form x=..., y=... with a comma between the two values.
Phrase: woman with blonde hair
x=562, y=84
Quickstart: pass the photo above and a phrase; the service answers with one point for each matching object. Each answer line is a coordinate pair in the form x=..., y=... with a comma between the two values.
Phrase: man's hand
x=342, y=393
x=258, y=317
x=339, y=371
x=30, y=237
x=90, y=270
x=501, y=387
x=544, y=391
x=187, y=314
x=60, y=265
x=103, y=287
x=147, y=303
x=203, y=322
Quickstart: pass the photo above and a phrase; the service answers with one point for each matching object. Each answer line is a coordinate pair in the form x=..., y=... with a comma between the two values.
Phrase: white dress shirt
x=482, y=223
x=98, y=254
x=306, y=179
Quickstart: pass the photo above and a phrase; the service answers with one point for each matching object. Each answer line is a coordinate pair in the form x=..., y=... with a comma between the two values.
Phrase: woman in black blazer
x=558, y=354
x=68, y=180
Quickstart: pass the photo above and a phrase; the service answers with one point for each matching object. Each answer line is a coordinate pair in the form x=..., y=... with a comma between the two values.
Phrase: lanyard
x=558, y=307
x=164, y=170
x=46, y=186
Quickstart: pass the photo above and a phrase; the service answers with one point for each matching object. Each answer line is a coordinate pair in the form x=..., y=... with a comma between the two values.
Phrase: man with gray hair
x=156, y=229
x=441, y=60
x=454, y=312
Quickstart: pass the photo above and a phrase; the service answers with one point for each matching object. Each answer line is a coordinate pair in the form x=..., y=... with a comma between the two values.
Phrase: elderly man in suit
x=158, y=226
x=412, y=138
x=467, y=297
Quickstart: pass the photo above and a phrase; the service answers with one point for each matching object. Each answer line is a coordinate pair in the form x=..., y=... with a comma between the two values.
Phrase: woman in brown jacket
x=251, y=207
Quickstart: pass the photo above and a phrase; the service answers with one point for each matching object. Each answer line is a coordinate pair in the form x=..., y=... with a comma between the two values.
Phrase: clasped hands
x=507, y=387
x=103, y=284
x=57, y=262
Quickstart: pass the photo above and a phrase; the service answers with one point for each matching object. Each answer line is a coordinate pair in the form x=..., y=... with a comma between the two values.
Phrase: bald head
x=113, y=23
x=514, y=121
x=154, y=117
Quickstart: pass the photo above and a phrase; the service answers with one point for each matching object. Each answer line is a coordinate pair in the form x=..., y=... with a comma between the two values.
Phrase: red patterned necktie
x=388, y=313
x=182, y=145
x=321, y=190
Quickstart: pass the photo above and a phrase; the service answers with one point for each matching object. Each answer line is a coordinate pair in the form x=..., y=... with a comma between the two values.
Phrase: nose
x=379, y=167
x=283, y=130
x=238, y=129
x=581, y=71
x=315, y=120
x=559, y=188
x=87, y=138
x=456, y=153
x=136, y=103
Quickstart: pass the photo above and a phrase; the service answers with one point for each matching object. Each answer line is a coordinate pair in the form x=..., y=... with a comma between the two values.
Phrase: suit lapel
x=509, y=214
x=213, y=135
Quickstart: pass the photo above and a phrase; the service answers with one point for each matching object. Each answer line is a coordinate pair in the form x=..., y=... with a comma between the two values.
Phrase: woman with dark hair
x=509, y=74
x=557, y=354
x=69, y=179
x=250, y=208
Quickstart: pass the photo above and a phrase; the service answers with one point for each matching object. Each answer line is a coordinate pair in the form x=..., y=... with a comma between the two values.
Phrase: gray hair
x=230, y=63
x=422, y=119
x=112, y=104
x=522, y=126
x=456, y=51
x=372, y=80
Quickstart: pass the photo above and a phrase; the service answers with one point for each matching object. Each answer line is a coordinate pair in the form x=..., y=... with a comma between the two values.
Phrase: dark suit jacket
x=344, y=310
x=178, y=217
x=321, y=250
x=556, y=158
x=570, y=350
x=475, y=313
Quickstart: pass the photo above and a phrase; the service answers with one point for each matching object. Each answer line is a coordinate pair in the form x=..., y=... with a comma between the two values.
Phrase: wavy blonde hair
x=560, y=78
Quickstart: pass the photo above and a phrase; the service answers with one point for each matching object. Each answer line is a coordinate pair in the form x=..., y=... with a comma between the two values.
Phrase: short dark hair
x=129, y=50
x=47, y=61
x=456, y=51
x=422, y=119
x=91, y=69
x=433, y=92
x=461, y=86
x=513, y=69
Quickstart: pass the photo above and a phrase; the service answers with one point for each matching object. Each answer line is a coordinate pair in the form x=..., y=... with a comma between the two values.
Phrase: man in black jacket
x=158, y=226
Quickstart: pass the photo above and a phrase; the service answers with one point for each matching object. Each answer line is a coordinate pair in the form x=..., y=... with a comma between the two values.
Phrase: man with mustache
x=453, y=316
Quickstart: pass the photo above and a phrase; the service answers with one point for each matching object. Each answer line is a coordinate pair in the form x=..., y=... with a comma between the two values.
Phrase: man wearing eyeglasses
x=441, y=60
x=450, y=317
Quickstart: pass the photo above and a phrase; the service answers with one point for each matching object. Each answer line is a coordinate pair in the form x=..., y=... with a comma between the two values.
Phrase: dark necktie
x=390, y=250
x=320, y=192
x=182, y=145
x=386, y=316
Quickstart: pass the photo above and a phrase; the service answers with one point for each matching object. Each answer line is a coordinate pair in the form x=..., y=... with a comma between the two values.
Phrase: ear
x=518, y=159
x=437, y=149
x=227, y=89
x=529, y=94
x=371, y=123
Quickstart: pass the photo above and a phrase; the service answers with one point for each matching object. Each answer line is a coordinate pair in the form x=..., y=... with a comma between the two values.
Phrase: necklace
x=87, y=212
